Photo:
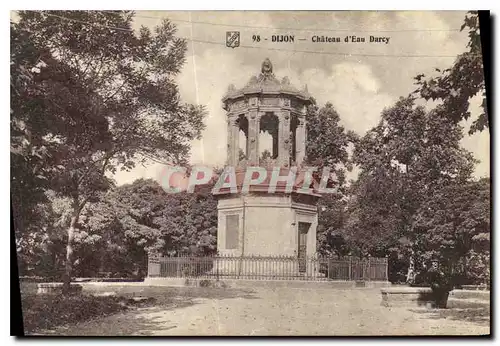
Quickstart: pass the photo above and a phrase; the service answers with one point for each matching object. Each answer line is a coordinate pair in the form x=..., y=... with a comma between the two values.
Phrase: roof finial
x=267, y=67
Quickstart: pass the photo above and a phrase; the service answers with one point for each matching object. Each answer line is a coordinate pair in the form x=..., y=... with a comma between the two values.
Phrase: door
x=302, y=250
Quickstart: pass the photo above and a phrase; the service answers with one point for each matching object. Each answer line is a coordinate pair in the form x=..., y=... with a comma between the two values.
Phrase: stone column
x=253, y=137
x=275, y=151
x=284, y=139
x=275, y=134
x=232, y=140
x=300, y=140
x=229, y=146
x=236, y=141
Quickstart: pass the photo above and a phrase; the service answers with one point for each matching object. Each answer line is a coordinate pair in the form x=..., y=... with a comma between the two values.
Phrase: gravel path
x=280, y=311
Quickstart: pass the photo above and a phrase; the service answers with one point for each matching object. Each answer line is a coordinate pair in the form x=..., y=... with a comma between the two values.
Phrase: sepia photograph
x=250, y=173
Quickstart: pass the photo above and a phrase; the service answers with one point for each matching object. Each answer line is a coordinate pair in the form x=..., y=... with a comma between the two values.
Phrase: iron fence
x=269, y=268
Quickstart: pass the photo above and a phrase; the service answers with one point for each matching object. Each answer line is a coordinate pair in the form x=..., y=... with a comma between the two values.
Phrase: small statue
x=267, y=67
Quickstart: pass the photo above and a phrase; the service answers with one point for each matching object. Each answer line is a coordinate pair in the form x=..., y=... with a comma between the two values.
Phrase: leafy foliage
x=327, y=141
x=116, y=233
x=241, y=155
x=137, y=218
x=327, y=146
x=266, y=155
x=331, y=218
x=47, y=311
x=456, y=85
x=41, y=250
x=452, y=228
x=90, y=96
x=404, y=159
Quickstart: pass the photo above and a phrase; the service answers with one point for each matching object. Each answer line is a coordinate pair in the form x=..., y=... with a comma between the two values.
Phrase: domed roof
x=266, y=83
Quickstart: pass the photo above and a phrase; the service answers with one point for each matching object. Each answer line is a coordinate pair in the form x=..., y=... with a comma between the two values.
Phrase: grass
x=47, y=311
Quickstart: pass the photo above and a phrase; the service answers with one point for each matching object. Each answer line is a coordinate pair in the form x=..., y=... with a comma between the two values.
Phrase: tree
x=327, y=141
x=241, y=155
x=41, y=250
x=110, y=98
x=266, y=155
x=373, y=216
x=31, y=156
x=405, y=158
x=331, y=218
x=136, y=219
x=455, y=86
x=327, y=146
x=451, y=228
x=168, y=222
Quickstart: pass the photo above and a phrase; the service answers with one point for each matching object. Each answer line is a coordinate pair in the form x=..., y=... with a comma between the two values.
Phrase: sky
x=359, y=79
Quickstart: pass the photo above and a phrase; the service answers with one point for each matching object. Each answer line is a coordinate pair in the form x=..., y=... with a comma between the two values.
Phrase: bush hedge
x=47, y=311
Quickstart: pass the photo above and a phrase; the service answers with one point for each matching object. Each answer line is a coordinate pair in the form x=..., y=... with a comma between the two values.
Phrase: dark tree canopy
x=141, y=217
x=327, y=139
x=456, y=85
x=402, y=161
x=452, y=227
x=90, y=96
x=116, y=233
x=327, y=146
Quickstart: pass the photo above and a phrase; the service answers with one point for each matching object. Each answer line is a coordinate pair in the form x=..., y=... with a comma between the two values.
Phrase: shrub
x=47, y=311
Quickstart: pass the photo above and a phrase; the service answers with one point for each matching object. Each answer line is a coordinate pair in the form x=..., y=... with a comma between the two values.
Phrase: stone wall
x=267, y=225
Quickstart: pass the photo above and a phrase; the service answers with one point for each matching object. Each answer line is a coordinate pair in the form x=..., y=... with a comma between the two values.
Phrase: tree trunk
x=410, y=275
x=440, y=298
x=69, y=253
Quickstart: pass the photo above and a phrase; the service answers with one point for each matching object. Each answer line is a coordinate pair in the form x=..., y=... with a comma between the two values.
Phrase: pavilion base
x=269, y=225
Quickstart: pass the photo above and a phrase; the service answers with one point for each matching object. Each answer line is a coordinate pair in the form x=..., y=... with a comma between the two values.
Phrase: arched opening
x=242, y=124
x=268, y=136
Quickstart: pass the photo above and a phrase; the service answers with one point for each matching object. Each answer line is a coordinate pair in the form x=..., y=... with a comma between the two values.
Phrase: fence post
x=369, y=268
x=217, y=266
x=386, y=268
x=350, y=268
x=328, y=274
x=239, y=266
x=363, y=270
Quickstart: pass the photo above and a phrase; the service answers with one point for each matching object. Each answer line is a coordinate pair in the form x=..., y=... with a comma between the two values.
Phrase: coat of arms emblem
x=232, y=39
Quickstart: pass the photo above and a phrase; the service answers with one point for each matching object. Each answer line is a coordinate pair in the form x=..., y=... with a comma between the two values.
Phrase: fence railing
x=269, y=268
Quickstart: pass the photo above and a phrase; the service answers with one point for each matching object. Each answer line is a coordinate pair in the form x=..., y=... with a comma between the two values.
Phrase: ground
x=276, y=311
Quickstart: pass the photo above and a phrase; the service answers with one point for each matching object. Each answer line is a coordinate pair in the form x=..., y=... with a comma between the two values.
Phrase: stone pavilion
x=259, y=223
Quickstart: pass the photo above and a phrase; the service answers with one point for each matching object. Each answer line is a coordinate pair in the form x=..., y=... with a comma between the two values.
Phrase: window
x=232, y=231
